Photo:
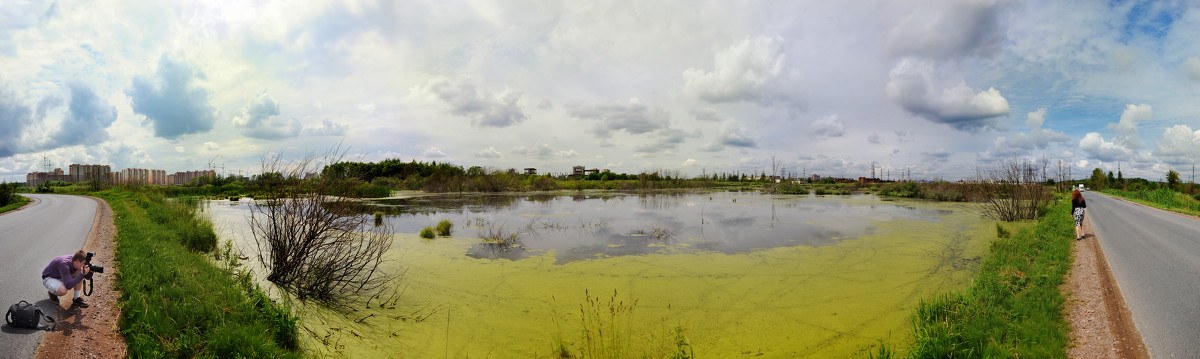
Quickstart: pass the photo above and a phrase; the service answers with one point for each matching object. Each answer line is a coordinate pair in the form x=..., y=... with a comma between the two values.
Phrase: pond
x=741, y=273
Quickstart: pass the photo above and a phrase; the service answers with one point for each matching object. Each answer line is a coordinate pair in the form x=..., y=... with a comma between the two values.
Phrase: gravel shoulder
x=1101, y=323
x=92, y=332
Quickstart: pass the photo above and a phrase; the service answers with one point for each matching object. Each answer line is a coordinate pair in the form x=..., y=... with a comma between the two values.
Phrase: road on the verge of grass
x=29, y=238
x=1155, y=257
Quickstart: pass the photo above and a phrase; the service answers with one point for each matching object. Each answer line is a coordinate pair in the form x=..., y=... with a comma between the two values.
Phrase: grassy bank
x=1163, y=199
x=175, y=302
x=17, y=202
x=1012, y=309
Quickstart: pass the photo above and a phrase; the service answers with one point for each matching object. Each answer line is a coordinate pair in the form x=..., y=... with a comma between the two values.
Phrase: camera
x=94, y=268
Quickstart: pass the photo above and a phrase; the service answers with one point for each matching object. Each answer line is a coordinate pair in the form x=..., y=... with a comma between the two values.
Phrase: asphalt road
x=29, y=238
x=1155, y=257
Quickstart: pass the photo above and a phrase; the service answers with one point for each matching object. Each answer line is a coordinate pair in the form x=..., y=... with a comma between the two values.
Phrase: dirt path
x=1101, y=324
x=92, y=332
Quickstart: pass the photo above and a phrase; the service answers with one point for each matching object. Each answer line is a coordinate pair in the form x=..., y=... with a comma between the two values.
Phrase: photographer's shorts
x=52, y=284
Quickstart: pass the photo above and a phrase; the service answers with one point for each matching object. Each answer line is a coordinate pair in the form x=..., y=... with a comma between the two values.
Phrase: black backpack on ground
x=25, y=315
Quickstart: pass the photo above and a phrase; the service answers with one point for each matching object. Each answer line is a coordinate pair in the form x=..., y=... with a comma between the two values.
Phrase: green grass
x=427, y=232
x=1162, y=198
x=174, y=301
x=20, y=201
x=1012, y=309
x=445, y=227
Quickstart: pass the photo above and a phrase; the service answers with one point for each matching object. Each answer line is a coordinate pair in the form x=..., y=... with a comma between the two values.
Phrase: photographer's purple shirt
x=60, y=268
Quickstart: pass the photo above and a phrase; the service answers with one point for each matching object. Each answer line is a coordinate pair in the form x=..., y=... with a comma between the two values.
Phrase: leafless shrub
x=310, y=242
x=1013, y=190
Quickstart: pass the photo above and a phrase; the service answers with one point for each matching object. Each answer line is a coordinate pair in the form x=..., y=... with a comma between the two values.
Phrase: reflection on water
x=582, y=226
x=785, y=276
x=637, y=224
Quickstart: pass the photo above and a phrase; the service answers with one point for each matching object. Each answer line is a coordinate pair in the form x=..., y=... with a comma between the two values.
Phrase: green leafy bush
x=427, y=233
x=444, y=228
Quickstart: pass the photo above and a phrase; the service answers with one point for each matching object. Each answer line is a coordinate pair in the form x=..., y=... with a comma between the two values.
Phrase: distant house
x=531, y=171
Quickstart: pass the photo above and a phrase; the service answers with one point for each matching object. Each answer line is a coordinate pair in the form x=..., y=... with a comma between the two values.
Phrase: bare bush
x=1013, y=190
x=310, y=241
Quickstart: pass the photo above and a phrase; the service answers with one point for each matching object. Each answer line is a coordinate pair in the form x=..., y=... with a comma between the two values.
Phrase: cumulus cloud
x=211, y=146
x=707, y=115
x=828, y=126
x=1192, y=67
x=566, y=154
x=171, y=101
x=87, y=121
x=1021, y=143
x=433, y=152
x=14, y=117
x=949, y=29
x=874, y=138
x=1105, y=151
x=539, y=150
x=1178, y=145
x=1128, y=125
x=633, y=118
x=462, y=98
x=489, y=153
x=750, y=70
x=730, y=136
x=260, y=119
x=914, y=86
x=327, y=128
x=668, y=139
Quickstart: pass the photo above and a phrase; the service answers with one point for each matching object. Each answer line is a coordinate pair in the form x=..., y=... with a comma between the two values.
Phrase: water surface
x=785, y=276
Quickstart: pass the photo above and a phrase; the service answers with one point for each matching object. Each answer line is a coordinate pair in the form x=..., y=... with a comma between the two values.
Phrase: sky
x=937, y=89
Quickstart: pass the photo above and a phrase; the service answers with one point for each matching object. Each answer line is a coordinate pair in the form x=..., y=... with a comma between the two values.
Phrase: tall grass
x=17, y=202
x=609, y=333
x=1163, y=198
x=1012, y=309
x=177, y=303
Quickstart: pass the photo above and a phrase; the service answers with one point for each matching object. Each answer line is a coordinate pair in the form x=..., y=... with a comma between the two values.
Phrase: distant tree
x=1097, y=180
x=1120, y=180
x=1110, y=181
x=1173, y=179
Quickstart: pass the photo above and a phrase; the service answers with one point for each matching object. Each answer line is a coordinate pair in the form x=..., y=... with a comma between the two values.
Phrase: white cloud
x=1128, y=125
x=1023, y=143
x=566, y=154
x=433, y=152
x=1178, y=145
x=328, y=128
x=667, y=139
x=950, y=29
x=260, y=119
x=1040, y=137
x=688, y=162
x=914, y=86
x=539, y=150
x=1105, y=151
x=489, y=152
x=827, y=126
x=707, y=115
x=180, y=149
x=633, y=118
x=172, y=100
x=874, y=138
x=1191, y=67
x=731, y=136
x=211, y=146
x=749, y=70
x=462, y=98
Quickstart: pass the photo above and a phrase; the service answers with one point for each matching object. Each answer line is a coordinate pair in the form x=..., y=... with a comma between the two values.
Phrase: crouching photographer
x=69, y=271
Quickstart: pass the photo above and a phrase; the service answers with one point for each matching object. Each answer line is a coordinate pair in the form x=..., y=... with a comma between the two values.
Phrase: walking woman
x=1077, y=206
